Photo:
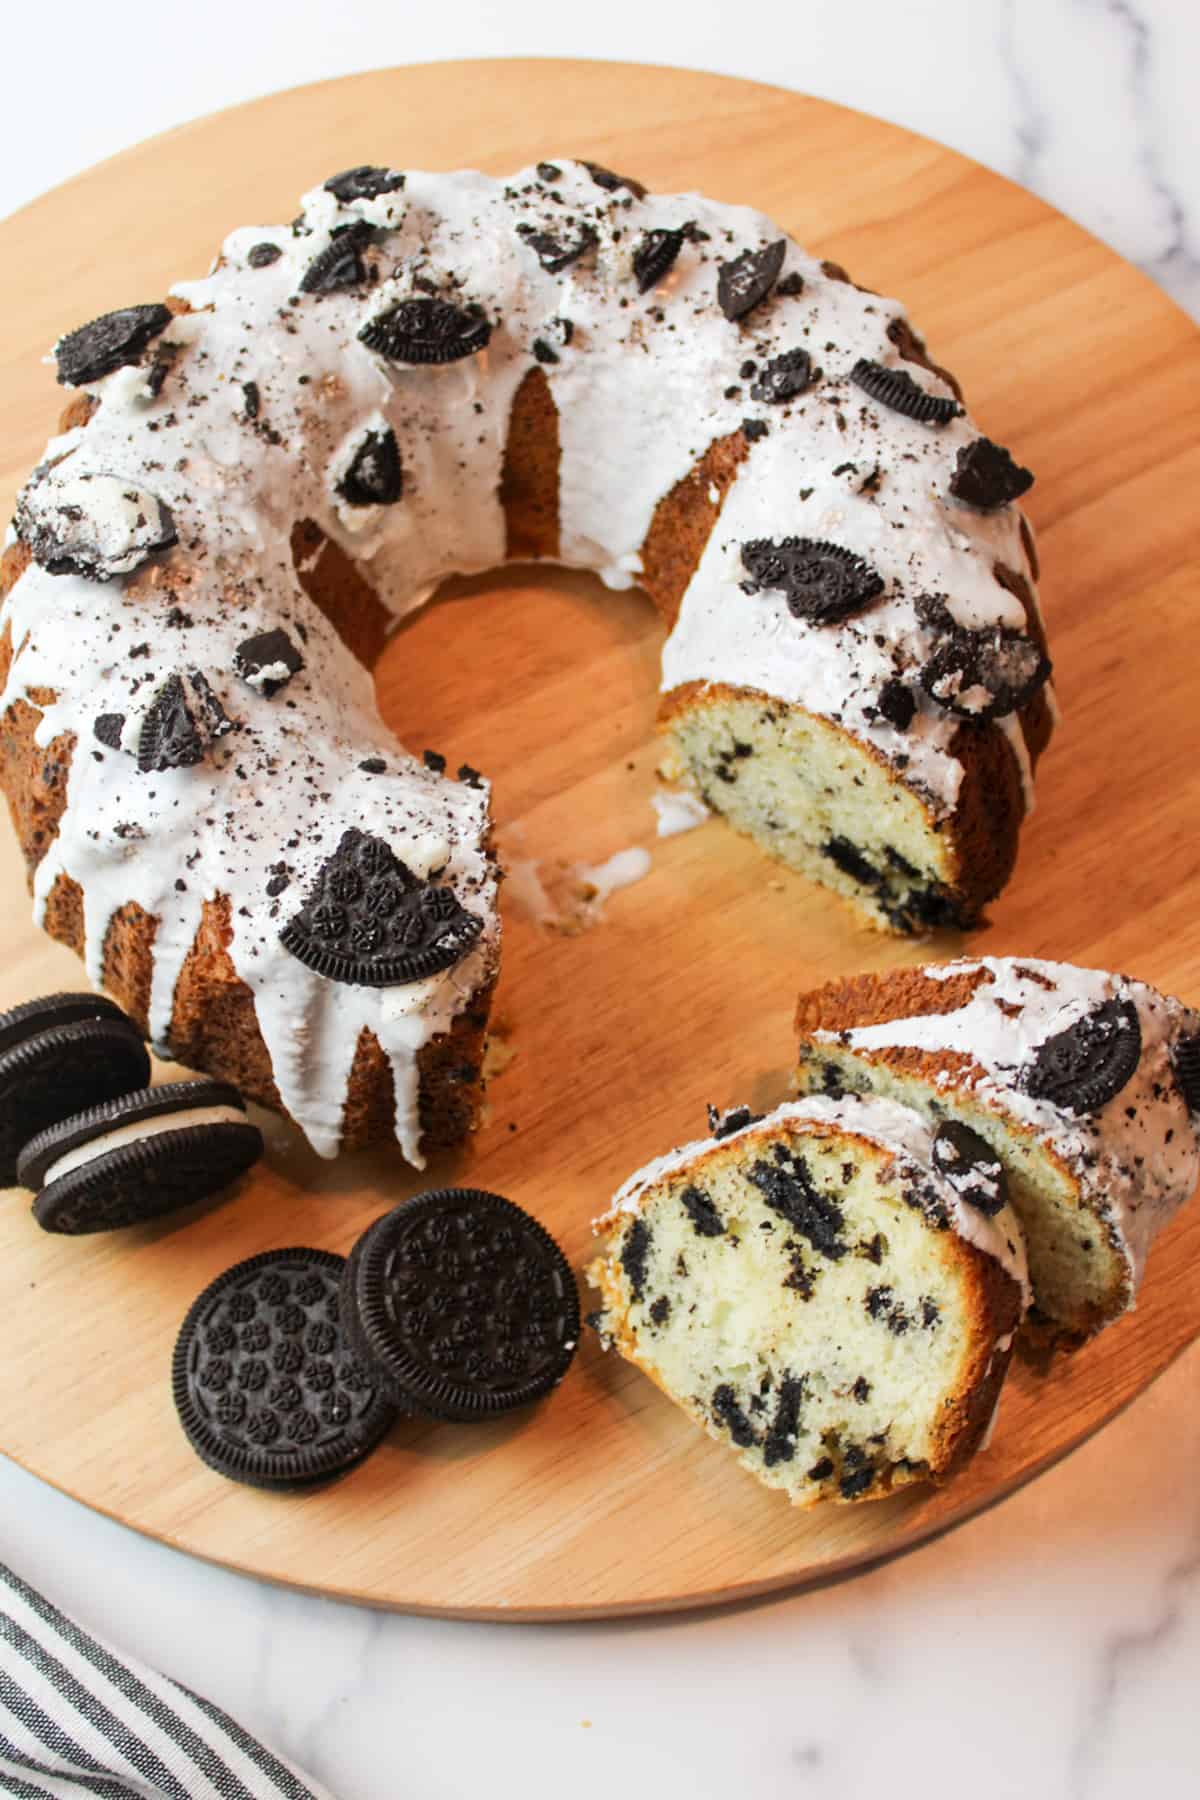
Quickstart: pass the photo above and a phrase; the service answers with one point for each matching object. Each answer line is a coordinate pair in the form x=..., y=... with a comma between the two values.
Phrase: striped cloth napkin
x=77, y=1718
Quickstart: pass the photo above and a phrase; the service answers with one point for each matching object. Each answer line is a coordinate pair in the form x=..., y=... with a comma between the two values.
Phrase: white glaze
x=135, y=1131
x=677, y=810
x=1137, y=1157
x=894, y=1128
x=646, y=383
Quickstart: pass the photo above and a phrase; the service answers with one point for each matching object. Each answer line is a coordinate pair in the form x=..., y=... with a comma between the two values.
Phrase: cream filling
x=136, y=1131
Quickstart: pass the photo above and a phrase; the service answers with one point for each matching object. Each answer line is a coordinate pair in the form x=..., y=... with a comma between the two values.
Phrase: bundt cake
x=811, y=1288
x=1086, y=1086
x=433, y=373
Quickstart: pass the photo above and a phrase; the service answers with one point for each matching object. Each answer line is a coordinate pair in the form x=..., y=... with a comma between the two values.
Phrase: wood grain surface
x=604, y=1499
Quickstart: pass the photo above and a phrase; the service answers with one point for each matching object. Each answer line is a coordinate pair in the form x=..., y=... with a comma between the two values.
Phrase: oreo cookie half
x=655, y=257
x=462, y=1303
x=1082, y=1068
x=340, y=264
x=368, y=920
x=108, y=343
x=749, y=278
x=138, y=1156
x=971, y=1166
x=822, y=582
x=57, y=1056
x=265, y=1386
x=896, y=389
x=424, y=330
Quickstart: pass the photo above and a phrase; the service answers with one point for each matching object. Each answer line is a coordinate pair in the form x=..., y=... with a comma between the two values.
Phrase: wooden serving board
x=604, y=1499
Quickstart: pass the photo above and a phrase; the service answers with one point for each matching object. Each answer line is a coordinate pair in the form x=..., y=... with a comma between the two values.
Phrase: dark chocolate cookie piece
x=1083, y=1067
x=746, y=281
x=60, y=1070
x=266, y=1387
x=979, y=675
x=340, y=264
x=375, y=476
x=783, y=378
x=267, y=661
x=655, y=257
x=96, y=525
x=107, y=343
x=261, y=256
x=462, y=1303
x=985, y=476
x=610, y=182
x=896, y=389
x=822, y=582
x=1187, y=1071
x=424, y=330
x=366, y=182
x=557, y=252
x=368, y=920
x=971, y=1166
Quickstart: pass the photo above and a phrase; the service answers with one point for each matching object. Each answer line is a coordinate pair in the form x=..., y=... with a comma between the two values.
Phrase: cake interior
x=1078, y=1273
x=799, y=1307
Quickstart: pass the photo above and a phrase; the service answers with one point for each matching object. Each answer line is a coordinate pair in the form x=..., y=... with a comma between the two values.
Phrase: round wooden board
x=605, y=1499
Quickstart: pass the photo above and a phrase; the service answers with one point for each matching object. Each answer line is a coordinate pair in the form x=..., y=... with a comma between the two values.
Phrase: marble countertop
x=1048, y=1648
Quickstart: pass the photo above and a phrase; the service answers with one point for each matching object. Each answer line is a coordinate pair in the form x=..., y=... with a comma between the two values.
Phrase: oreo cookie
x=462, y=1304
x=979, y=675
x=783, y=378
x=896, y=703
x=267, y=661
x=1085, y=1066
x=655, y=257
x=137, y=1156
x=822, y=582
x=746, y=281
x=375, y=476
x=107, y=729
x=557, y=253
x=170, y=737
x=340, y=264
x=265, y=1386
x=1187, y=1071
x=896, y=389
x=369, y=921
x=610, y=182
x=95, y=525
x=424, y=330
x=366, y=182
x=261, y=256
x=110, y=342
x=57, y=1055
x=971, y=1166
x=985, y=476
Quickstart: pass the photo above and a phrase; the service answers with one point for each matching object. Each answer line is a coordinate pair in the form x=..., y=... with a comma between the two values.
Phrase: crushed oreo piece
x=979, y=675
x=251, y=399
x=267, y=661
x=723, y=1125
x=822, y=582
x=706, y=1220
x=424, y=330
x=433, y=759
x=557, y=253
x=373, y=765
x=261, y=256
x=363, y=183
x=655, y=256
x=753, y=429
x=788, y=1189
x=783, y=378
x=606, y=179
x=1082, y=1068
x=728, y=1413
x=850, y=860
x=897, y=703
x=95, y=525
x=544, y=352
x=971, y=1166
x=780, y=1445
x=791, y=285
x=985, y=476
x=108, y=728
x=1187, y=1071
x=340, y=264
x=896, y=389
x=375, y=476
x=169, y=737
x=548, y=171
x=635, y=1253
x=212, y=718
x=110, y=342
x=369, y=921
x=746, y=281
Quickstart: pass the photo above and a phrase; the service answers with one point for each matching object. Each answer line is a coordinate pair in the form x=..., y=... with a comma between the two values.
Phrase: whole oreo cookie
x=368, y=920
x=58, y=1055
x=463, y=1303
x=265, y=1386
x=138, y=1156
x=1082, y=1068
x=895, y=388
x=971, y=1166
x=784, y=377
x=655, y=257
x=746, y=281
x=375, y=476
x=424, y=330
x=979, y=675
x=985, y=476
x=108, y=343
x=822, y=582
x=366, y=182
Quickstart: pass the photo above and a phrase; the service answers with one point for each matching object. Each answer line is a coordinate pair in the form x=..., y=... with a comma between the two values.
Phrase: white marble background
x=1048, y=1650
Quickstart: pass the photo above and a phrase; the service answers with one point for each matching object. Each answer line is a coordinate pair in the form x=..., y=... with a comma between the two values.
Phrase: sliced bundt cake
x=813, y=1289
x=1085, y=1084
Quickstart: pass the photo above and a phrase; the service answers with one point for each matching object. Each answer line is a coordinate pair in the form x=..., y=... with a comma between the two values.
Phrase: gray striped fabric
x=78, y=1719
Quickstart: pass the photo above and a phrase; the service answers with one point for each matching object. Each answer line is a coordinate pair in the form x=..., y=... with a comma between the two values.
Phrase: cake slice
x=1085, y=1084
x=813, y=1290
